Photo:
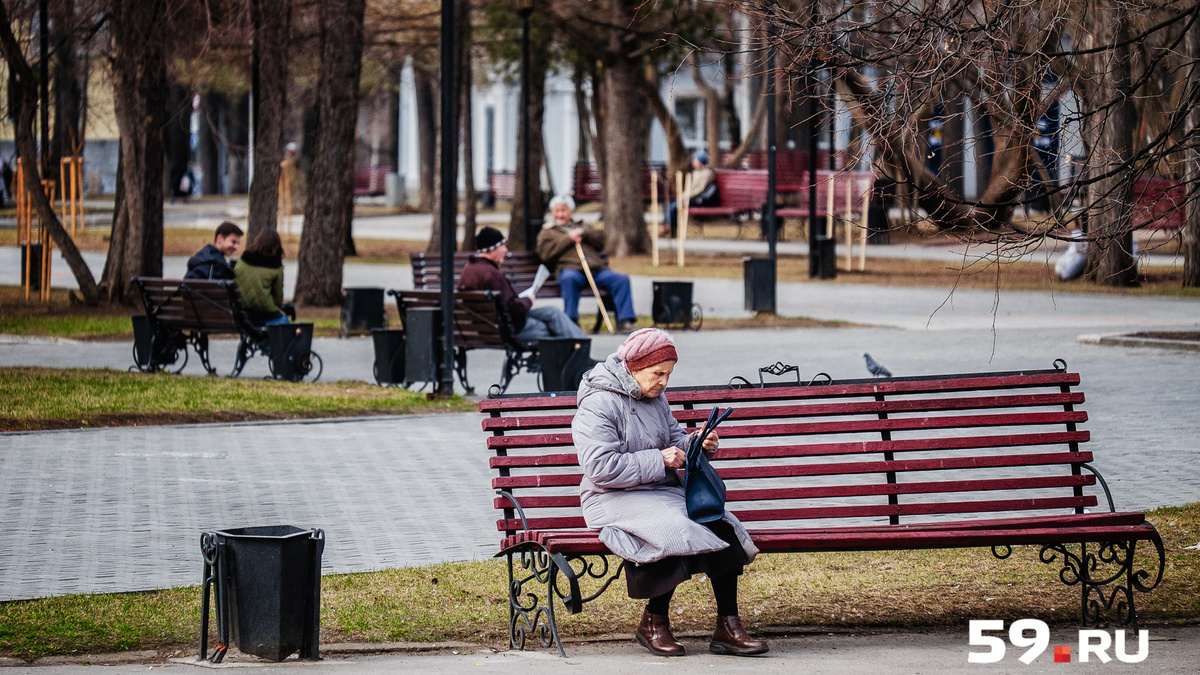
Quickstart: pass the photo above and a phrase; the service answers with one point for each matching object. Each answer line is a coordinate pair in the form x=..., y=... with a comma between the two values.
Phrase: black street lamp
x=449, y=198
x=524, y=9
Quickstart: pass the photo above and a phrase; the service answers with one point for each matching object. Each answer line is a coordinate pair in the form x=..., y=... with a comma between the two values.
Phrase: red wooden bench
x=371, y=180
x=519, y=267
x=791, y=166
x=1158, y=203
x=502, y=185
x=849, y=188
x=586, y=185
x=979, y=460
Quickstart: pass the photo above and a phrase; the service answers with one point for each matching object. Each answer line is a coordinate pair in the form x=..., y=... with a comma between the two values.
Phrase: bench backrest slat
x=207, y=306
x=895, y=451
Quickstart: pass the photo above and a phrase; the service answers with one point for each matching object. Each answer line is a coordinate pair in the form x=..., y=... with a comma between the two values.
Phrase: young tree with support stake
x=27, y=94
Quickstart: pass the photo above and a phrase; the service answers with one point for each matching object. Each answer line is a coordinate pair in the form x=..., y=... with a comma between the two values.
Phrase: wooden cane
x=587, y=272
x=682, y=215
x=655, y=218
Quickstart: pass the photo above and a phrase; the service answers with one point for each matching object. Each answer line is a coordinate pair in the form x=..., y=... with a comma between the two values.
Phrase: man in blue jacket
x=210, y=262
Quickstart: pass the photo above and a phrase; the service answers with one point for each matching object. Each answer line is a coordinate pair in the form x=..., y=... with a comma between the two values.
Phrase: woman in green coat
x=259, y=276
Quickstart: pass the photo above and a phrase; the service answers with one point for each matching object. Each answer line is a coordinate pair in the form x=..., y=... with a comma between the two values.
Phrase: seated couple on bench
x=259, y=273
x=483, y=273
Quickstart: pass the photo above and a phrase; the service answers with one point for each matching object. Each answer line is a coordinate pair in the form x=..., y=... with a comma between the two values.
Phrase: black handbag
x=703, y=488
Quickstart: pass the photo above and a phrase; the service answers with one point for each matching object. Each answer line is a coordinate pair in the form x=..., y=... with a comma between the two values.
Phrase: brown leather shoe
x=654, y=633
x=731, y=638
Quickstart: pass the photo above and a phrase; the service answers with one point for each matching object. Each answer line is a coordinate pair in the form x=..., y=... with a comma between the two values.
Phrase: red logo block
x=1062, y=654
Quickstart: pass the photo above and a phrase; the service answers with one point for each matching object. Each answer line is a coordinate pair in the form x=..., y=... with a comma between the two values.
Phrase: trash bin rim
x=241, y=533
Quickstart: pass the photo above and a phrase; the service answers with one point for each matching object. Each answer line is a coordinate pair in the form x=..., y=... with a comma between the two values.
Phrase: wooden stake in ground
x=285, y=195
x=682, y=214
x=655, y=218
x=587, y=272
x=866, y=185
x=849, y=224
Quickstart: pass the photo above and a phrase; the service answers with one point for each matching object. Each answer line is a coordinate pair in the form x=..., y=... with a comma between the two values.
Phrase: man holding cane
x=558, y=245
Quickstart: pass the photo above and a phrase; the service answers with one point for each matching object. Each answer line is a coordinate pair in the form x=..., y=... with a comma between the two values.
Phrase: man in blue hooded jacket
x=209, y=262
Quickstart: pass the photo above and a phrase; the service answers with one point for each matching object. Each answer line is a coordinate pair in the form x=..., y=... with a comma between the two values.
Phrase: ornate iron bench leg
x=244, y=351
x=1094, y=573
x=200, y=344
x=460, y=367
x=526, y=614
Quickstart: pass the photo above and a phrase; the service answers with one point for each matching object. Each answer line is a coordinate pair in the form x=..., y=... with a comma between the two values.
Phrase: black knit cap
x=488, y=239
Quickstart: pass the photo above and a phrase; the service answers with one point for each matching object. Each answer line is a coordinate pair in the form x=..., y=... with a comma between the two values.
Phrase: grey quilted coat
x=627, y=493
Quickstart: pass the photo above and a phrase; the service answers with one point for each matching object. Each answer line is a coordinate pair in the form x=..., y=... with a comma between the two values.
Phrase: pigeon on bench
x=876, y=368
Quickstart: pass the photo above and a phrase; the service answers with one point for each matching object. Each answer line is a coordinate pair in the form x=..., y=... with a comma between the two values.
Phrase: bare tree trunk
x=211, y=107
x=177, y=133
x=1110, y=258
x=27, y=148
x=272, y=23
x=140, y=89
x=1191, y=175
x=625, y=146
x=598, y=115
x=677, y=152
x=68, y=93
x=713, y=106
x=464, y=111
x=330, y=205
x=539, y=64
x=426, y=137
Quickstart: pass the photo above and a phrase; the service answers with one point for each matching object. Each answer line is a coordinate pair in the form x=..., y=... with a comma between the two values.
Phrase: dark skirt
x=662, y=576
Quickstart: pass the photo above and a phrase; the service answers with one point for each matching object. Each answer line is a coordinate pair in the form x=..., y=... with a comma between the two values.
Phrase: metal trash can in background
x=760, y=284
x=143, y=341
x=673, y=305
x=389, y=355
x=422, y=345
x=362, y=309
x=35, y=265
x=292, y=357
x=564, y=362
x=267, y=582
x=827, y=260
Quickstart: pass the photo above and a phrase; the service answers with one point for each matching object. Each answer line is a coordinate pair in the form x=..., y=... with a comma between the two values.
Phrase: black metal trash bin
x=268, y=590
x=362, y=309
x=564, y=361
x=673, y=304
x=389, y=355
x=422, y=345
x=760, y=284
x=827, y=248
x=143, y=341
x=35, y=265
x=292, y=357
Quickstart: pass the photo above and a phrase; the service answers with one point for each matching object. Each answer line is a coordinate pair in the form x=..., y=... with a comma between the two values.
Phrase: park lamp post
x=524, y=10
x=449, y=199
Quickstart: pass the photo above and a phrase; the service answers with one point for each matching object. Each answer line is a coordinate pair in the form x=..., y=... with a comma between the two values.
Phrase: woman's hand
x=710, y=444
x=673, y=457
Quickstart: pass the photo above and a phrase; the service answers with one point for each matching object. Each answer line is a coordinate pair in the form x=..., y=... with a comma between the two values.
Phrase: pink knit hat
x=647, y=347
